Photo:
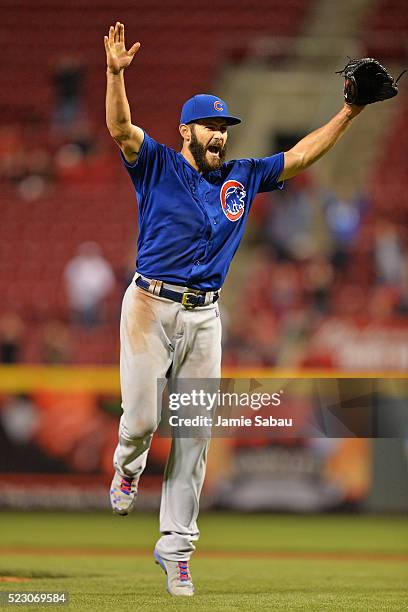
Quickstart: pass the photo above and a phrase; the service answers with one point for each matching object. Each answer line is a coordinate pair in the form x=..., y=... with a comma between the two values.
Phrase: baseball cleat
x=123, y=492
x=179, y=581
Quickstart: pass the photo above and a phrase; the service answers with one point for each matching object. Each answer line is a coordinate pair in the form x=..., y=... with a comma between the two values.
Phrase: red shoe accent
x=183, y=571
x=126, y=485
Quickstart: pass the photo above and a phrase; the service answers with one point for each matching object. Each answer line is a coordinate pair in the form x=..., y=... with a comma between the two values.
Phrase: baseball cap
x=206, y=106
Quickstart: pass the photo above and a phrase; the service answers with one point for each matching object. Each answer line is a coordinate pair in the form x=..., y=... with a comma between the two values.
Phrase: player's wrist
x=114, y=72
x=351, y=110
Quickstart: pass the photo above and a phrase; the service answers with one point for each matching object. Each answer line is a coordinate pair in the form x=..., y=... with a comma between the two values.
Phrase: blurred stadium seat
x=91, y=199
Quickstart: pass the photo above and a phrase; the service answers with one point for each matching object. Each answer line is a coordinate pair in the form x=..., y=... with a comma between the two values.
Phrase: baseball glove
x=367, y=81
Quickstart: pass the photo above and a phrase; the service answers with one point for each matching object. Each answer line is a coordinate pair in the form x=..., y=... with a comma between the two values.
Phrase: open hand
x=117, y=58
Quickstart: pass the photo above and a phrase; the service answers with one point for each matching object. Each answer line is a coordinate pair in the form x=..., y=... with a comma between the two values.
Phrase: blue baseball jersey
x=191, y=224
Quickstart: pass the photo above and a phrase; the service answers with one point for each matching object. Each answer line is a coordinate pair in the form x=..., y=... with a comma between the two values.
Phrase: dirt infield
x=242, y=554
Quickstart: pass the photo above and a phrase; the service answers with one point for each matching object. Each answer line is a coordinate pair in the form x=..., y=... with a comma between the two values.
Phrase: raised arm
x=118, y=119
x=317, y=143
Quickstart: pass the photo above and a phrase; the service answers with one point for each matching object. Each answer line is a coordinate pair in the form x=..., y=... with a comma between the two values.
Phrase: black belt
x=189, y=299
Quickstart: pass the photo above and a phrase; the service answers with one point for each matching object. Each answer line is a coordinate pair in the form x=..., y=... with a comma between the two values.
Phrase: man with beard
x=192, y=212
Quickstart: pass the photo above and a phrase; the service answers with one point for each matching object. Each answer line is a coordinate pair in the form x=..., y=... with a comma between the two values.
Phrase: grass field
x=243, y=562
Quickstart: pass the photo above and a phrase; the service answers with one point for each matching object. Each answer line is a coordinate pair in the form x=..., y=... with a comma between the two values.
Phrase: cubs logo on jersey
x=232, y=196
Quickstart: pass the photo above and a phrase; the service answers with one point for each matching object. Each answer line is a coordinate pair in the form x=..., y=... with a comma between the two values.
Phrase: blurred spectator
x=318, y=279
x=19, y=418
x=38, y=174
x=285, y=287
x=67, y=80
x=265, y=337
x=402, y=306
x=294, y=335
x=289, y=220
x=56, y=346
x=70, y=122
x=240, y=348
x=388, y=253
x=83, y=137
x=14, y=167
x=11, y=338
x=89, y=279
x=31, y=171
x=74, y=149
x=344, y=216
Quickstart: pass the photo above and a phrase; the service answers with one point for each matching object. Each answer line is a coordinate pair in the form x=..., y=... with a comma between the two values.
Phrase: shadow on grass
x=37, y=575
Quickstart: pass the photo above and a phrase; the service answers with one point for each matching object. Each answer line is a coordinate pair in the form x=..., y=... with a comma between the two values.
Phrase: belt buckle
x=186, y=297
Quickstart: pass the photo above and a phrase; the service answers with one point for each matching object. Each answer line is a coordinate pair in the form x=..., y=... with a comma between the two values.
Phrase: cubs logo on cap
x=232, y=197
x=206, y=106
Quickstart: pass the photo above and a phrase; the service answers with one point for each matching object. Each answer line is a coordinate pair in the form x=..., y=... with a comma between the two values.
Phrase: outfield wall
x=58, y=430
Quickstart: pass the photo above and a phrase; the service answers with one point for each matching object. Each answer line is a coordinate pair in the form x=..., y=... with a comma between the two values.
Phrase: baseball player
x=193, y=207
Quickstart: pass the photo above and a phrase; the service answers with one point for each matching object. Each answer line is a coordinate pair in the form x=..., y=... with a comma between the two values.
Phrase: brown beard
x=198, y=151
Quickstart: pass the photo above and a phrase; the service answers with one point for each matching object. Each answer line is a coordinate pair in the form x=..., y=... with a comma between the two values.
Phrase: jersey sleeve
x=148, y=165
x=269, y=170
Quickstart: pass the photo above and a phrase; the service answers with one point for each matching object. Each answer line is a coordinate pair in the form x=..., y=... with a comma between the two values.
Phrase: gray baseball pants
x=161, y=338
